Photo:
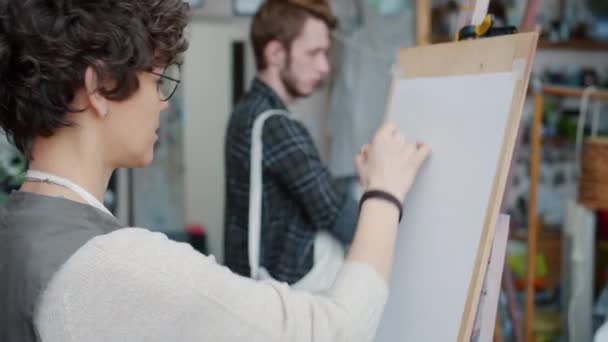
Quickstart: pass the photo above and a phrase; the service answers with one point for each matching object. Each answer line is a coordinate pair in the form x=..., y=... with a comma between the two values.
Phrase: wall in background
x=157, y=190
x=213, y=8
x=207, y=104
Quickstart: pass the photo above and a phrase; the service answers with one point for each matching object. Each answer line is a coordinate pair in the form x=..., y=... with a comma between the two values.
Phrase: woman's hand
x=390, y=163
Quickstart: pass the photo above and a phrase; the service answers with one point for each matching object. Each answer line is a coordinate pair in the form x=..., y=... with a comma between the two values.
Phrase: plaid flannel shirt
x=299, y=196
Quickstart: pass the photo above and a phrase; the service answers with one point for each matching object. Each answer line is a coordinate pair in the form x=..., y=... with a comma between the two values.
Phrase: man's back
x=299, y=196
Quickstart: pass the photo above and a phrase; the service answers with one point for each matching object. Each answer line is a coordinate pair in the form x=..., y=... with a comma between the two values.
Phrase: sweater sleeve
x=134, y=285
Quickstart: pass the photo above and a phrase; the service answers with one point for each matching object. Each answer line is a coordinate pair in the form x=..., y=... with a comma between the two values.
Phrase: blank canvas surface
x=464, y=119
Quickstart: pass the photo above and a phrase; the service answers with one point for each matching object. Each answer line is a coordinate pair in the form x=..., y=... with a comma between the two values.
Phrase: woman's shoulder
x=140, y=241
x=140, y=248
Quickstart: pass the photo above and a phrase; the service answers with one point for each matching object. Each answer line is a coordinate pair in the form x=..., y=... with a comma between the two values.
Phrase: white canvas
x=464, y=119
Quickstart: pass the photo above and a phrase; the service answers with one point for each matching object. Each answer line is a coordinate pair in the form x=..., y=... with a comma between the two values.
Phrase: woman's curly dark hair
x=47, y=45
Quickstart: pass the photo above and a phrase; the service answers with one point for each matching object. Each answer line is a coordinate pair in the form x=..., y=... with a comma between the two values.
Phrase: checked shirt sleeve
x=291, y=156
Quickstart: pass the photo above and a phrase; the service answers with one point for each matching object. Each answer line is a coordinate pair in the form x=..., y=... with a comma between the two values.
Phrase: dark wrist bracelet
x=383, y=196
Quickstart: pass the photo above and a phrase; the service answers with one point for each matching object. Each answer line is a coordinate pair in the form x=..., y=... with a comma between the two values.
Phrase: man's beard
x=290, y=83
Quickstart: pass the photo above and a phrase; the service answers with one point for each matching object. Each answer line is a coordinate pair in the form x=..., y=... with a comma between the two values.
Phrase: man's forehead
x=314, y=33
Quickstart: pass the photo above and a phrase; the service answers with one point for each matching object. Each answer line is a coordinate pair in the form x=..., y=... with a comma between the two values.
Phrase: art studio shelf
x=574, y=45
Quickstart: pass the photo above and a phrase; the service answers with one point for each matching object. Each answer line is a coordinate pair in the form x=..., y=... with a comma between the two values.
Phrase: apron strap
x=66, y=183
x=580, y=129
x=255, y=190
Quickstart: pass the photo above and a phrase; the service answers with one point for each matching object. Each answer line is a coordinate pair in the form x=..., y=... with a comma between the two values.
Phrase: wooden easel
x=472, y=13
x=497, y=55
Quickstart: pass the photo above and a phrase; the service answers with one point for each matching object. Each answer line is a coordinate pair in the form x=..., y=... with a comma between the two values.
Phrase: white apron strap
x=580, y=127
x=66, y=183
x=255, y=190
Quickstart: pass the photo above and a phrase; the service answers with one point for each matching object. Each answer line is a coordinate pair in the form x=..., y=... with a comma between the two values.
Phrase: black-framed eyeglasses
x=168, y=82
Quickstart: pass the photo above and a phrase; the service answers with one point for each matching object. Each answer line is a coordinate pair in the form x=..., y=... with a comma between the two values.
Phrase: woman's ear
x=96, y=101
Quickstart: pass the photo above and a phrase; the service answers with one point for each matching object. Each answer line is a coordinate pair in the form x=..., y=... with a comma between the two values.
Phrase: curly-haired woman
x=82, y=83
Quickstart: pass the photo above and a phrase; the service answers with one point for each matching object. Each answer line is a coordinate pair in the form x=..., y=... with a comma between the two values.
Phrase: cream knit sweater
x=135, y=285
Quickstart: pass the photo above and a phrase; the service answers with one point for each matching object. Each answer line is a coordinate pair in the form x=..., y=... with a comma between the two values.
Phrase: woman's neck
x=79, y=163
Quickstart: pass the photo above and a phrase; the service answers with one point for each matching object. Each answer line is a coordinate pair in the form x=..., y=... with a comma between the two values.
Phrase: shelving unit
x=533, y=225
x=574, y=45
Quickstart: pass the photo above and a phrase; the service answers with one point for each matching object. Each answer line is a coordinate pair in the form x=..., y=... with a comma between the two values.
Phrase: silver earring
x=106, y=112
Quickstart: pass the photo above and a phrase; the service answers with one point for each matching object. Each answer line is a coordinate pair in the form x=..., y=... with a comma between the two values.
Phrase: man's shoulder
x=251, y=104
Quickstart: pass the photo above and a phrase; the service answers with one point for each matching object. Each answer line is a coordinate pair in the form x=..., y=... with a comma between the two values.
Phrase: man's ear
x=275, y=54
x=96, y=101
